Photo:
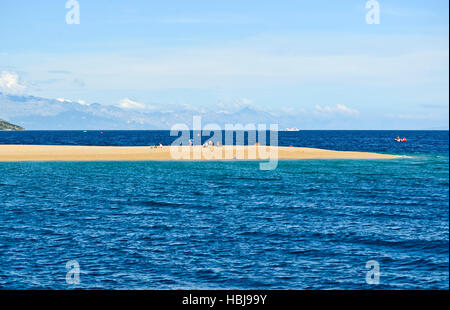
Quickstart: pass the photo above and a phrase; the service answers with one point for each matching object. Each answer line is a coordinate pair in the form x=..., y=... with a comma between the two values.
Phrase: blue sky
x=310, y=57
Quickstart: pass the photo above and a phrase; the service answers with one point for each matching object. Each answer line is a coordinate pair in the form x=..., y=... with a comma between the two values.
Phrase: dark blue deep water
x=309, y=224
x=419, y=142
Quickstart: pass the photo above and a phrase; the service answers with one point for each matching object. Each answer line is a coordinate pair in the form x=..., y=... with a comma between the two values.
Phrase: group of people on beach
x=211, y=143
x=206, y=144
x=191, y=143
x=158, y=146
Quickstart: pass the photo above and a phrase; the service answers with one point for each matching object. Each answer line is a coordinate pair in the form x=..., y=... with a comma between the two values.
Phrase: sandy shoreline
x=10, y=153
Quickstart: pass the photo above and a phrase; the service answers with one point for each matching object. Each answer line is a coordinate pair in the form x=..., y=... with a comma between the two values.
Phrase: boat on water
x=400, y=140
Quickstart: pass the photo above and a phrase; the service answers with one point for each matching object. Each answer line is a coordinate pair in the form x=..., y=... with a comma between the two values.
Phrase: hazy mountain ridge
x=40, y=113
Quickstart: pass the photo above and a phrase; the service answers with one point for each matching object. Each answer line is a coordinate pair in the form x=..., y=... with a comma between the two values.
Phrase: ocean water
x=309, y=224
x=419, y=142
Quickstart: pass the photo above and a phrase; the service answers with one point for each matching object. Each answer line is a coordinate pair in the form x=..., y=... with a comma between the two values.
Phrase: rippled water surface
x=309, y=224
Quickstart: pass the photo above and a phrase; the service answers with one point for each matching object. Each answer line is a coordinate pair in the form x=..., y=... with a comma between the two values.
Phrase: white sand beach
x=10, y=153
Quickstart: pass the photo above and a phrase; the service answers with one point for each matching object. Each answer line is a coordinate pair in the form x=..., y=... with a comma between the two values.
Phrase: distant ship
x=292, y=129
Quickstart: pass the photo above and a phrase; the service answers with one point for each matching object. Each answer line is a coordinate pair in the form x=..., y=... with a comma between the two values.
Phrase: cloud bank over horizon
x=36, y=113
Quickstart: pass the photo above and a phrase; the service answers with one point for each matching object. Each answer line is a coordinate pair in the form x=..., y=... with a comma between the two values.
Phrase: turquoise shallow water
x=310, y=224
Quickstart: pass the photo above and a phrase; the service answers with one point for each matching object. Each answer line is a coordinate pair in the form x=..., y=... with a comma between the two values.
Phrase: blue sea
x=309, y=224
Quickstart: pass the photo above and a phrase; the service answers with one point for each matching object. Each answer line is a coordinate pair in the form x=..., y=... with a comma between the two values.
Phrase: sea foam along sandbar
x=10, y=153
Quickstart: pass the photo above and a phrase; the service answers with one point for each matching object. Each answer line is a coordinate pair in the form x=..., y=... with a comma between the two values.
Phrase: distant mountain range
x=8, y=126
x=36, y=113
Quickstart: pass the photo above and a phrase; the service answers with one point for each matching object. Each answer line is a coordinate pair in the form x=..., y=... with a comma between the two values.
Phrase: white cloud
x=63, y=100
x=339, y=109
x=127, y=103
x=82, y=102
x=10, y=83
